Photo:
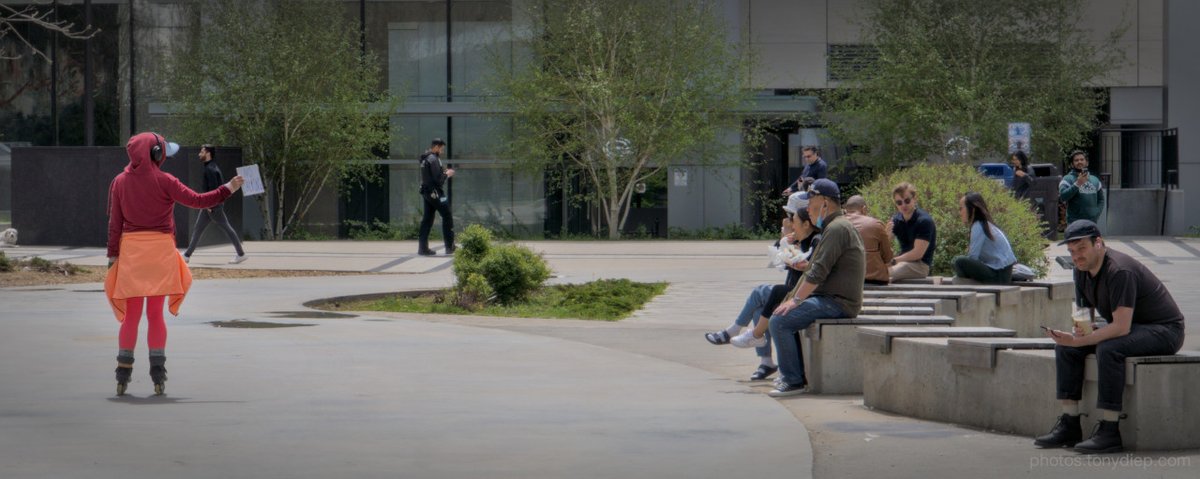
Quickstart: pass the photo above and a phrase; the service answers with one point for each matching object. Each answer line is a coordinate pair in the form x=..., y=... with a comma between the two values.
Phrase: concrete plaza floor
x=404, y=395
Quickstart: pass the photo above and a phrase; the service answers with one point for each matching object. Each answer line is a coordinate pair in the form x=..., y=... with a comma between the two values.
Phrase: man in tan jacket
x=874, y=237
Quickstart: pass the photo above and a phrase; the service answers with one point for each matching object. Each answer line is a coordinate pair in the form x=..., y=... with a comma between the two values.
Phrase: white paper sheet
x=253, y=185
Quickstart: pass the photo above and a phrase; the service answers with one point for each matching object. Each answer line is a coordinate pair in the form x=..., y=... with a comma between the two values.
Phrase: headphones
x=156, y=151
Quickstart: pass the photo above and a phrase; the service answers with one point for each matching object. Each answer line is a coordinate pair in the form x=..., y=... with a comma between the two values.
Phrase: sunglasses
x=904, y=202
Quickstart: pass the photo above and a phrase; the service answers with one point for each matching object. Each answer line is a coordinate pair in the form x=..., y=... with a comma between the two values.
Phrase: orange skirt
x=149, y=265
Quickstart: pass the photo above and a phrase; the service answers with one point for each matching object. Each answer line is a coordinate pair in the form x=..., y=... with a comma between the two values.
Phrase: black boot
x=124, y=371
x=158, y=373
x=1066, y=433
x=1106, y=438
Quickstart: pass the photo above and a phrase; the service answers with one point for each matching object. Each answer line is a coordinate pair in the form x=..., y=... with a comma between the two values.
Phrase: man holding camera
x=1081, y=191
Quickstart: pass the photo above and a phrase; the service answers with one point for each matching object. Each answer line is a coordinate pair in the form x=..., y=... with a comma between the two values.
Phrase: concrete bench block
x=897, y=310
x=981, y=352
x=880, y=337
x=831, y=350
x=939, y=306
x=1058, y=289
x=1005, y=295
x=965, y=301
x=918, y=378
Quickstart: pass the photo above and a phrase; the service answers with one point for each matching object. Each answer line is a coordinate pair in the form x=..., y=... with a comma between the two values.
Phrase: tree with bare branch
x=36, y=16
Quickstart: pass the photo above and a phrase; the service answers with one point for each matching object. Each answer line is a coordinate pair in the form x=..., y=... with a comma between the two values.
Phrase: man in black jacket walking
x=433, y=180
x=213, y=180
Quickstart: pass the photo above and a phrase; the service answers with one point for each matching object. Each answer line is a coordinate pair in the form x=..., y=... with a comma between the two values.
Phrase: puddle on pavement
x=246, y=324
x=311, y=315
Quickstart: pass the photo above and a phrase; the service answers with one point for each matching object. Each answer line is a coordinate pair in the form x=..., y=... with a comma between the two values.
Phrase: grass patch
x=603, y=300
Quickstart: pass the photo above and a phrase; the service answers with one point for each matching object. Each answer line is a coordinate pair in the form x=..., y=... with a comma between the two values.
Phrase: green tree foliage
x=939, y=188
x=618, y=89
x=288, y=82
x=950, y=69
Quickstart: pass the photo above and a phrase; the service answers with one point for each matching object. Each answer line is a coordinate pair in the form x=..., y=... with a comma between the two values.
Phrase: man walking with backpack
x=433, y=193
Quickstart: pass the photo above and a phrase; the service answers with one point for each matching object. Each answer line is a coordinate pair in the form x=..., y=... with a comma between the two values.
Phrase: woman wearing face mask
x=989, y=258
x=802, y=233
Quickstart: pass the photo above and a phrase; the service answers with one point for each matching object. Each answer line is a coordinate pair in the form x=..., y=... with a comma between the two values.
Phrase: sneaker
x=786, y=390
x=747, y=340
x=239, y=258
x=426, y=252
x=450, y=250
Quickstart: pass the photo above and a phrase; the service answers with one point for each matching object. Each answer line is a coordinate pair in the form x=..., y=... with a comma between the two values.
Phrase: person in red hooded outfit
x=144, y=268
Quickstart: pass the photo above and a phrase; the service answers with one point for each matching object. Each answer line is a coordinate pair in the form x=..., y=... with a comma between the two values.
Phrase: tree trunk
x=613, y=218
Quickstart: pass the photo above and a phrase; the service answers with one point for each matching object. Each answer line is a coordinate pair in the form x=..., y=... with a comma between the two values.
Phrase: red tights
x=156, y=335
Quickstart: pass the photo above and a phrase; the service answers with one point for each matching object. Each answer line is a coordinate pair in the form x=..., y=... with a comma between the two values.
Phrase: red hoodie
x=143, y=197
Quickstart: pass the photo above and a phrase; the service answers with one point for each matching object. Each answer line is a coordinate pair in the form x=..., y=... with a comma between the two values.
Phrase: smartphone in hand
x=1051, y=331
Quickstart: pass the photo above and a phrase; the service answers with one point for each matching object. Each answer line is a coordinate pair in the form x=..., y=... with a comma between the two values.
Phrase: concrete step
x=880, y=337
x=1005, y=295
x=897, y=310
x=919, y=377
x=939, y=306
x=831, y=349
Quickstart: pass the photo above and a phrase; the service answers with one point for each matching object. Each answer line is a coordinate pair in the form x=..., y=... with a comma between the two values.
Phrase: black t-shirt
x=1123, y=281
x=919, y=226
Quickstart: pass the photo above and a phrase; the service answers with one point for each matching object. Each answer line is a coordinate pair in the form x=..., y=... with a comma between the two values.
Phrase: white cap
x=172, y=149
x=796, y=202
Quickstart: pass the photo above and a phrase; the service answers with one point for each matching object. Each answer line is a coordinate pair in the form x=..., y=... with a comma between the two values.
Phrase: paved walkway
x=396, y=395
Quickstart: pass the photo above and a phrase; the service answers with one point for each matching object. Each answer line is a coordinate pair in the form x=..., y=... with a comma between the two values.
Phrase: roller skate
x=158, y=374
x=124, y=371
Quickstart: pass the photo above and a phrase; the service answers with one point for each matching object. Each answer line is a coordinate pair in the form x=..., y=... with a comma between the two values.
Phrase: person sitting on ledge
x=800, y=231
x=990, y=257
x=874, y=237
x=1143, y=320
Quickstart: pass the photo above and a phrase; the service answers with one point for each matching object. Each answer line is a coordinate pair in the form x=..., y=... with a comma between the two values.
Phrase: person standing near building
x=144, y=268
x=1081, y=191
x=1022, y=180
x=433, y=194
x=815, y=168
x=213, y=180
x=1143, y=320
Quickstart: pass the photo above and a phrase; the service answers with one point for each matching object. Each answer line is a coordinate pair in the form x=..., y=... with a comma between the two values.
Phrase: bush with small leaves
x=475, y=243
x=6, y=265
x=472, y=294
x=514, y=272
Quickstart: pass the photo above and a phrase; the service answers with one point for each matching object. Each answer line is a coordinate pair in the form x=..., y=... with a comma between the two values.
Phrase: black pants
x=442, y=208
x=215, y=215
x=1142, y=340
x=971, y=268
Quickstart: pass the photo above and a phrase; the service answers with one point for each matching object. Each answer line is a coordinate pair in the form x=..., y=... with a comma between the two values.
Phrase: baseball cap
x=796, y=202
x=172, y=149
x=825, y=187
x=1080, y=229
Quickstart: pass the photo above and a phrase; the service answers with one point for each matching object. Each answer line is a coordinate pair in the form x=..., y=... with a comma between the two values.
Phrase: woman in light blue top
x=990, y=258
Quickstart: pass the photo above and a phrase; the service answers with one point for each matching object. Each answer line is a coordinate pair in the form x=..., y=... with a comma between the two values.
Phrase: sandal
x=717, y=337
x=763, y=372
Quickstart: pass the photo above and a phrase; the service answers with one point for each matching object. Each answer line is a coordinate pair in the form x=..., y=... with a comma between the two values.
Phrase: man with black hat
x=832, y=287
x=433, y=179
x=1143, y=320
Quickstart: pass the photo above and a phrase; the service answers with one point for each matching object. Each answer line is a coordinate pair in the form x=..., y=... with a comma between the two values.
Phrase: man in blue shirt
x=1081, y=191
x=915, y=231
x=814, y=167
